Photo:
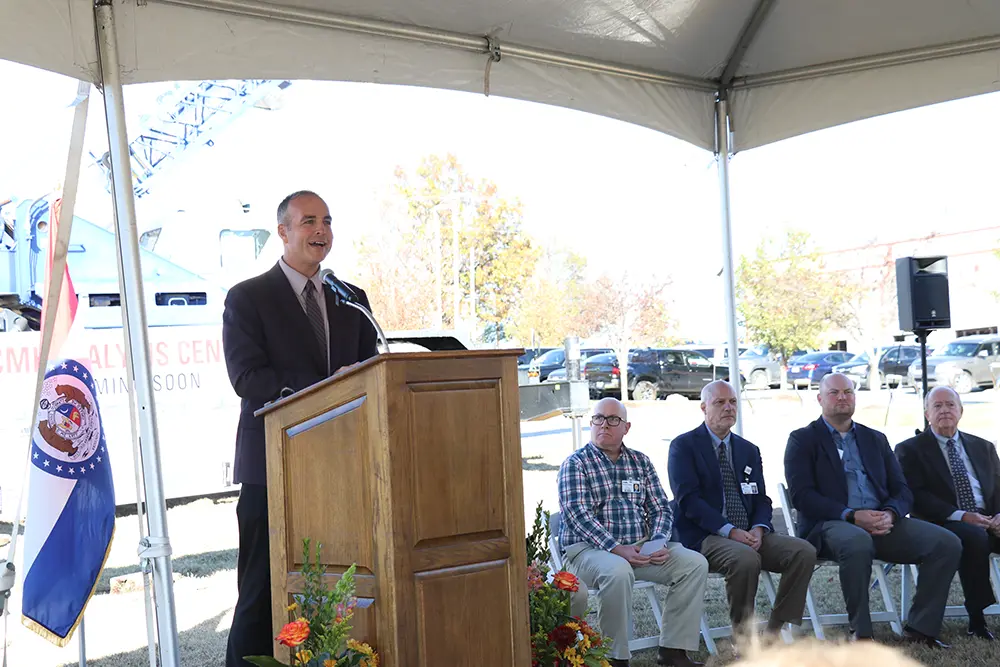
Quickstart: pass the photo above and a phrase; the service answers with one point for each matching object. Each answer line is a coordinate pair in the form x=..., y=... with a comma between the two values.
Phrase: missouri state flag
x=71, y=499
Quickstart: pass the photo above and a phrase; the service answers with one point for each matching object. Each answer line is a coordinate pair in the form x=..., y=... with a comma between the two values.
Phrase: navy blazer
x=817, y=481
x=696, y=484
x=269, y=345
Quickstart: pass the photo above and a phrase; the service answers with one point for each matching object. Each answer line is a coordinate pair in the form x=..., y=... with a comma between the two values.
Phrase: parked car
x=653, y=373
x=893, y=366
x=530, y=354
x=762, y=368
x=717, y=354
x=810, y=369
x=540, y=367
x=962, y=364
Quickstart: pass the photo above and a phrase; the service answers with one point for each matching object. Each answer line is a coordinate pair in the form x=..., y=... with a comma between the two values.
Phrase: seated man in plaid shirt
x=612, y=502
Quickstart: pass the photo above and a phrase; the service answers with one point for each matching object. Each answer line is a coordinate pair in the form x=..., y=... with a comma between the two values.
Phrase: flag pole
x=155, y=548
x=57, y=269
x=83, y=643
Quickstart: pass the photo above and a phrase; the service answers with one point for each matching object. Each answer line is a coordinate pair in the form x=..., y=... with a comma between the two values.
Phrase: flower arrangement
x=319, y=636
x=557, y=639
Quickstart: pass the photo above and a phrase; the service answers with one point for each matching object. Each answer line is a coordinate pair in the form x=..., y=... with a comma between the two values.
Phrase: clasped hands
x=752, y=538
x=876, y=522
x=991, y=525
x=630, y=552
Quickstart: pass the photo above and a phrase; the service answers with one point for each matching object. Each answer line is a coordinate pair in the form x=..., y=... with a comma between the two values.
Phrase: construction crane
x=188, y=119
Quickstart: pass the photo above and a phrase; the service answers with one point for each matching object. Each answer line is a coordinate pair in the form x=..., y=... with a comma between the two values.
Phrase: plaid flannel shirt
x=594, y=508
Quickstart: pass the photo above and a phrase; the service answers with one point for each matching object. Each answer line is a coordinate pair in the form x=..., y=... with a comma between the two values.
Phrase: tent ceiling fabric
x=651, y=62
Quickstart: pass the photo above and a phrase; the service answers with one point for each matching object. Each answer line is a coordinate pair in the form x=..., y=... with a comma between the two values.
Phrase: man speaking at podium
x=280, y=330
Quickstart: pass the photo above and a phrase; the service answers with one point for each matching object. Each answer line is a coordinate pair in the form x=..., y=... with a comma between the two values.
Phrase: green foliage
x=538, y=538
x=448, y=219
x=787, y=297
x=327, y=612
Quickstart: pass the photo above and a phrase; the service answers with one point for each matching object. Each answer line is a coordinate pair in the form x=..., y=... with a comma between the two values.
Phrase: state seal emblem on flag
x=69, y=428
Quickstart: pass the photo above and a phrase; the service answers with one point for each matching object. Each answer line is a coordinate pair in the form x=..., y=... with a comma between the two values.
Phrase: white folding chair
x=908, y=581
x=878, y=567
x=634, y=643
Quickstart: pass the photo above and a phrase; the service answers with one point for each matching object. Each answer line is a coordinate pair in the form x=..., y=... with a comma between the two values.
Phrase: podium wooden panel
x=410, y=466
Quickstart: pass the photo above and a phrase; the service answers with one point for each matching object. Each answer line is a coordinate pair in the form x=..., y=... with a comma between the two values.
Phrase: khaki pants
x=684, y=574
x=741, y=565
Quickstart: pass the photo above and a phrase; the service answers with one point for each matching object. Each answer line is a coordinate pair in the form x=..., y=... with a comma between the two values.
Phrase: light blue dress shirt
x=977, y=488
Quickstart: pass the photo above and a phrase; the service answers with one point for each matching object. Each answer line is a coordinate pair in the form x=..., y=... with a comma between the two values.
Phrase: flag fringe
x=44, y=632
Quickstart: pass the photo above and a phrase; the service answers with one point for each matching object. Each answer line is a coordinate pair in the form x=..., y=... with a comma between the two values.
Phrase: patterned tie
x=736, y=511
x=315, y=316
x=963, y=488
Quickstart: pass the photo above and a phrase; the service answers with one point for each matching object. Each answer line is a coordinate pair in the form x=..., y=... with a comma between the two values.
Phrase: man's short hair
x=927, y=396
x=283, y=206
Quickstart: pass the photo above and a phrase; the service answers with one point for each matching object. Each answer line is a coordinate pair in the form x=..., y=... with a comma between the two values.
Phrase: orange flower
x=294, y=633
x=566, y=581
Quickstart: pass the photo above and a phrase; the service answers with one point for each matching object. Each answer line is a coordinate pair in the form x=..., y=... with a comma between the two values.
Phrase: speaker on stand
x=922, y=291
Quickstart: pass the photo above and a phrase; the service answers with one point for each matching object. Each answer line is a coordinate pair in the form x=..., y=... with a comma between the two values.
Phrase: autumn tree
x=627, y=311
x=870, y=309
x=470, y=238
x=786, y=295
x=553, y=300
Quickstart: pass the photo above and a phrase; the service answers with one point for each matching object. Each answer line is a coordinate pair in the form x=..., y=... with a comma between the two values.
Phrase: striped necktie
x=315, y=316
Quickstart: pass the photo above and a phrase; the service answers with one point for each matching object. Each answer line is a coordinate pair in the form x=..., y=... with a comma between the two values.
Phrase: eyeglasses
x=613, y=420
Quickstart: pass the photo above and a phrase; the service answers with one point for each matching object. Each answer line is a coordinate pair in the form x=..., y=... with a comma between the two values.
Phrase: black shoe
x=675, y=657
x=916, y=637
x=618, y=663
x=980, y=631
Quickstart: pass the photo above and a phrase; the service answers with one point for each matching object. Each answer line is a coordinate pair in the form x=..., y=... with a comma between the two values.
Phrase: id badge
x=749, y=488
x=631, y=486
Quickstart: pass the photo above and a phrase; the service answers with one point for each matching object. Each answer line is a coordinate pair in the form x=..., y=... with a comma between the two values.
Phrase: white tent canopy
x=721, y=74
x=793, y=66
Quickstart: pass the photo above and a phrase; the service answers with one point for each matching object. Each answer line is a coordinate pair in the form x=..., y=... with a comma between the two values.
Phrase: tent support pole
x=722, y=151
x=155, y=548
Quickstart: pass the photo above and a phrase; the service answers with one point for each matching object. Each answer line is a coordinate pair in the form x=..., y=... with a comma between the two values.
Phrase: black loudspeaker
x=922, y=289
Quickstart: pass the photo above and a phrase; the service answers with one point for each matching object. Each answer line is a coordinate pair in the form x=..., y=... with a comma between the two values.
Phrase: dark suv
x=540, y=367
x=654, y=373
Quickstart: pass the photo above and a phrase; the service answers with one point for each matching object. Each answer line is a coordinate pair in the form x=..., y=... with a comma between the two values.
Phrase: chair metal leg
x=883, y=585
x=707, y=636
x=908, y=578
x=814, y=618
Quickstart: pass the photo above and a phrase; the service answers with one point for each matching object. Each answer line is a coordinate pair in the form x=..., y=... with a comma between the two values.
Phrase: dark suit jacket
x=269, y=345
x=818, y=484
x=927, y=473
x=696, y=484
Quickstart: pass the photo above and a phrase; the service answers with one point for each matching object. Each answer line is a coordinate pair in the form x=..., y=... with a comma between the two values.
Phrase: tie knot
x=309, y=288
x=951, y=443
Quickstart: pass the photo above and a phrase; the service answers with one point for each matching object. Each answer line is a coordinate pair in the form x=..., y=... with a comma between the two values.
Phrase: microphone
x=339, y=287
x=345, y=296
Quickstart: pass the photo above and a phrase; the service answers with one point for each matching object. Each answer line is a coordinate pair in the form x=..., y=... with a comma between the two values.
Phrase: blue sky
x=624, y=196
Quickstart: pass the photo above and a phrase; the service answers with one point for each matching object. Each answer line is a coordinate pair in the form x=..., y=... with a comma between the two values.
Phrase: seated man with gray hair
x=955, y=480
x=723, y=511
x=612, y=503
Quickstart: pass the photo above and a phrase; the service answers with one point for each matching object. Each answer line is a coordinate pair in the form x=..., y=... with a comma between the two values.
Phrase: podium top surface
x=390, y=357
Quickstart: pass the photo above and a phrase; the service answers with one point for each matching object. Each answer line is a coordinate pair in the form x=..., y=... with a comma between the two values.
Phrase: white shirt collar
x=297, y=280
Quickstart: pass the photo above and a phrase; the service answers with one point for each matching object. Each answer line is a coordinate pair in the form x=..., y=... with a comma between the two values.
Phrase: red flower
x=563, y=637
x=566, y=581
x=294, y=633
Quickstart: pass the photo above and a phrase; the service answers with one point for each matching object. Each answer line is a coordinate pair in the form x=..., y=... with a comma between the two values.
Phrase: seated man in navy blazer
x=852, y=502
x=955, y=479
x=722, y=510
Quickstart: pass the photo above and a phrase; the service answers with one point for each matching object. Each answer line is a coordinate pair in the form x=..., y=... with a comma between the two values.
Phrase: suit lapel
x=830, y=449
x=980, y=464
x=289, y=308
x=934, y=459
x=706, y=446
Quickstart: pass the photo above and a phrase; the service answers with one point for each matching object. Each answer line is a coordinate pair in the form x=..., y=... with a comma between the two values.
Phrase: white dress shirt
x=298, y=283
x=977, y=488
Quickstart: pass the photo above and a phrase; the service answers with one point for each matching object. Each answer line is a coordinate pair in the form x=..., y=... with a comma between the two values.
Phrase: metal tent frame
x=725, y=75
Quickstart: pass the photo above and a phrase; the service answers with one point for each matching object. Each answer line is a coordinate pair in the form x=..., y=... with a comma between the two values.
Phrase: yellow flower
x=304, y=656
x=573, y=626
x=333, y=663
x=360, y=647
x=605, y=663
x=292, y=607
x=585, y=644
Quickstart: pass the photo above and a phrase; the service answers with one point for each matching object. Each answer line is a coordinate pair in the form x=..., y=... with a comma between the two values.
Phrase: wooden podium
x=410, y=466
